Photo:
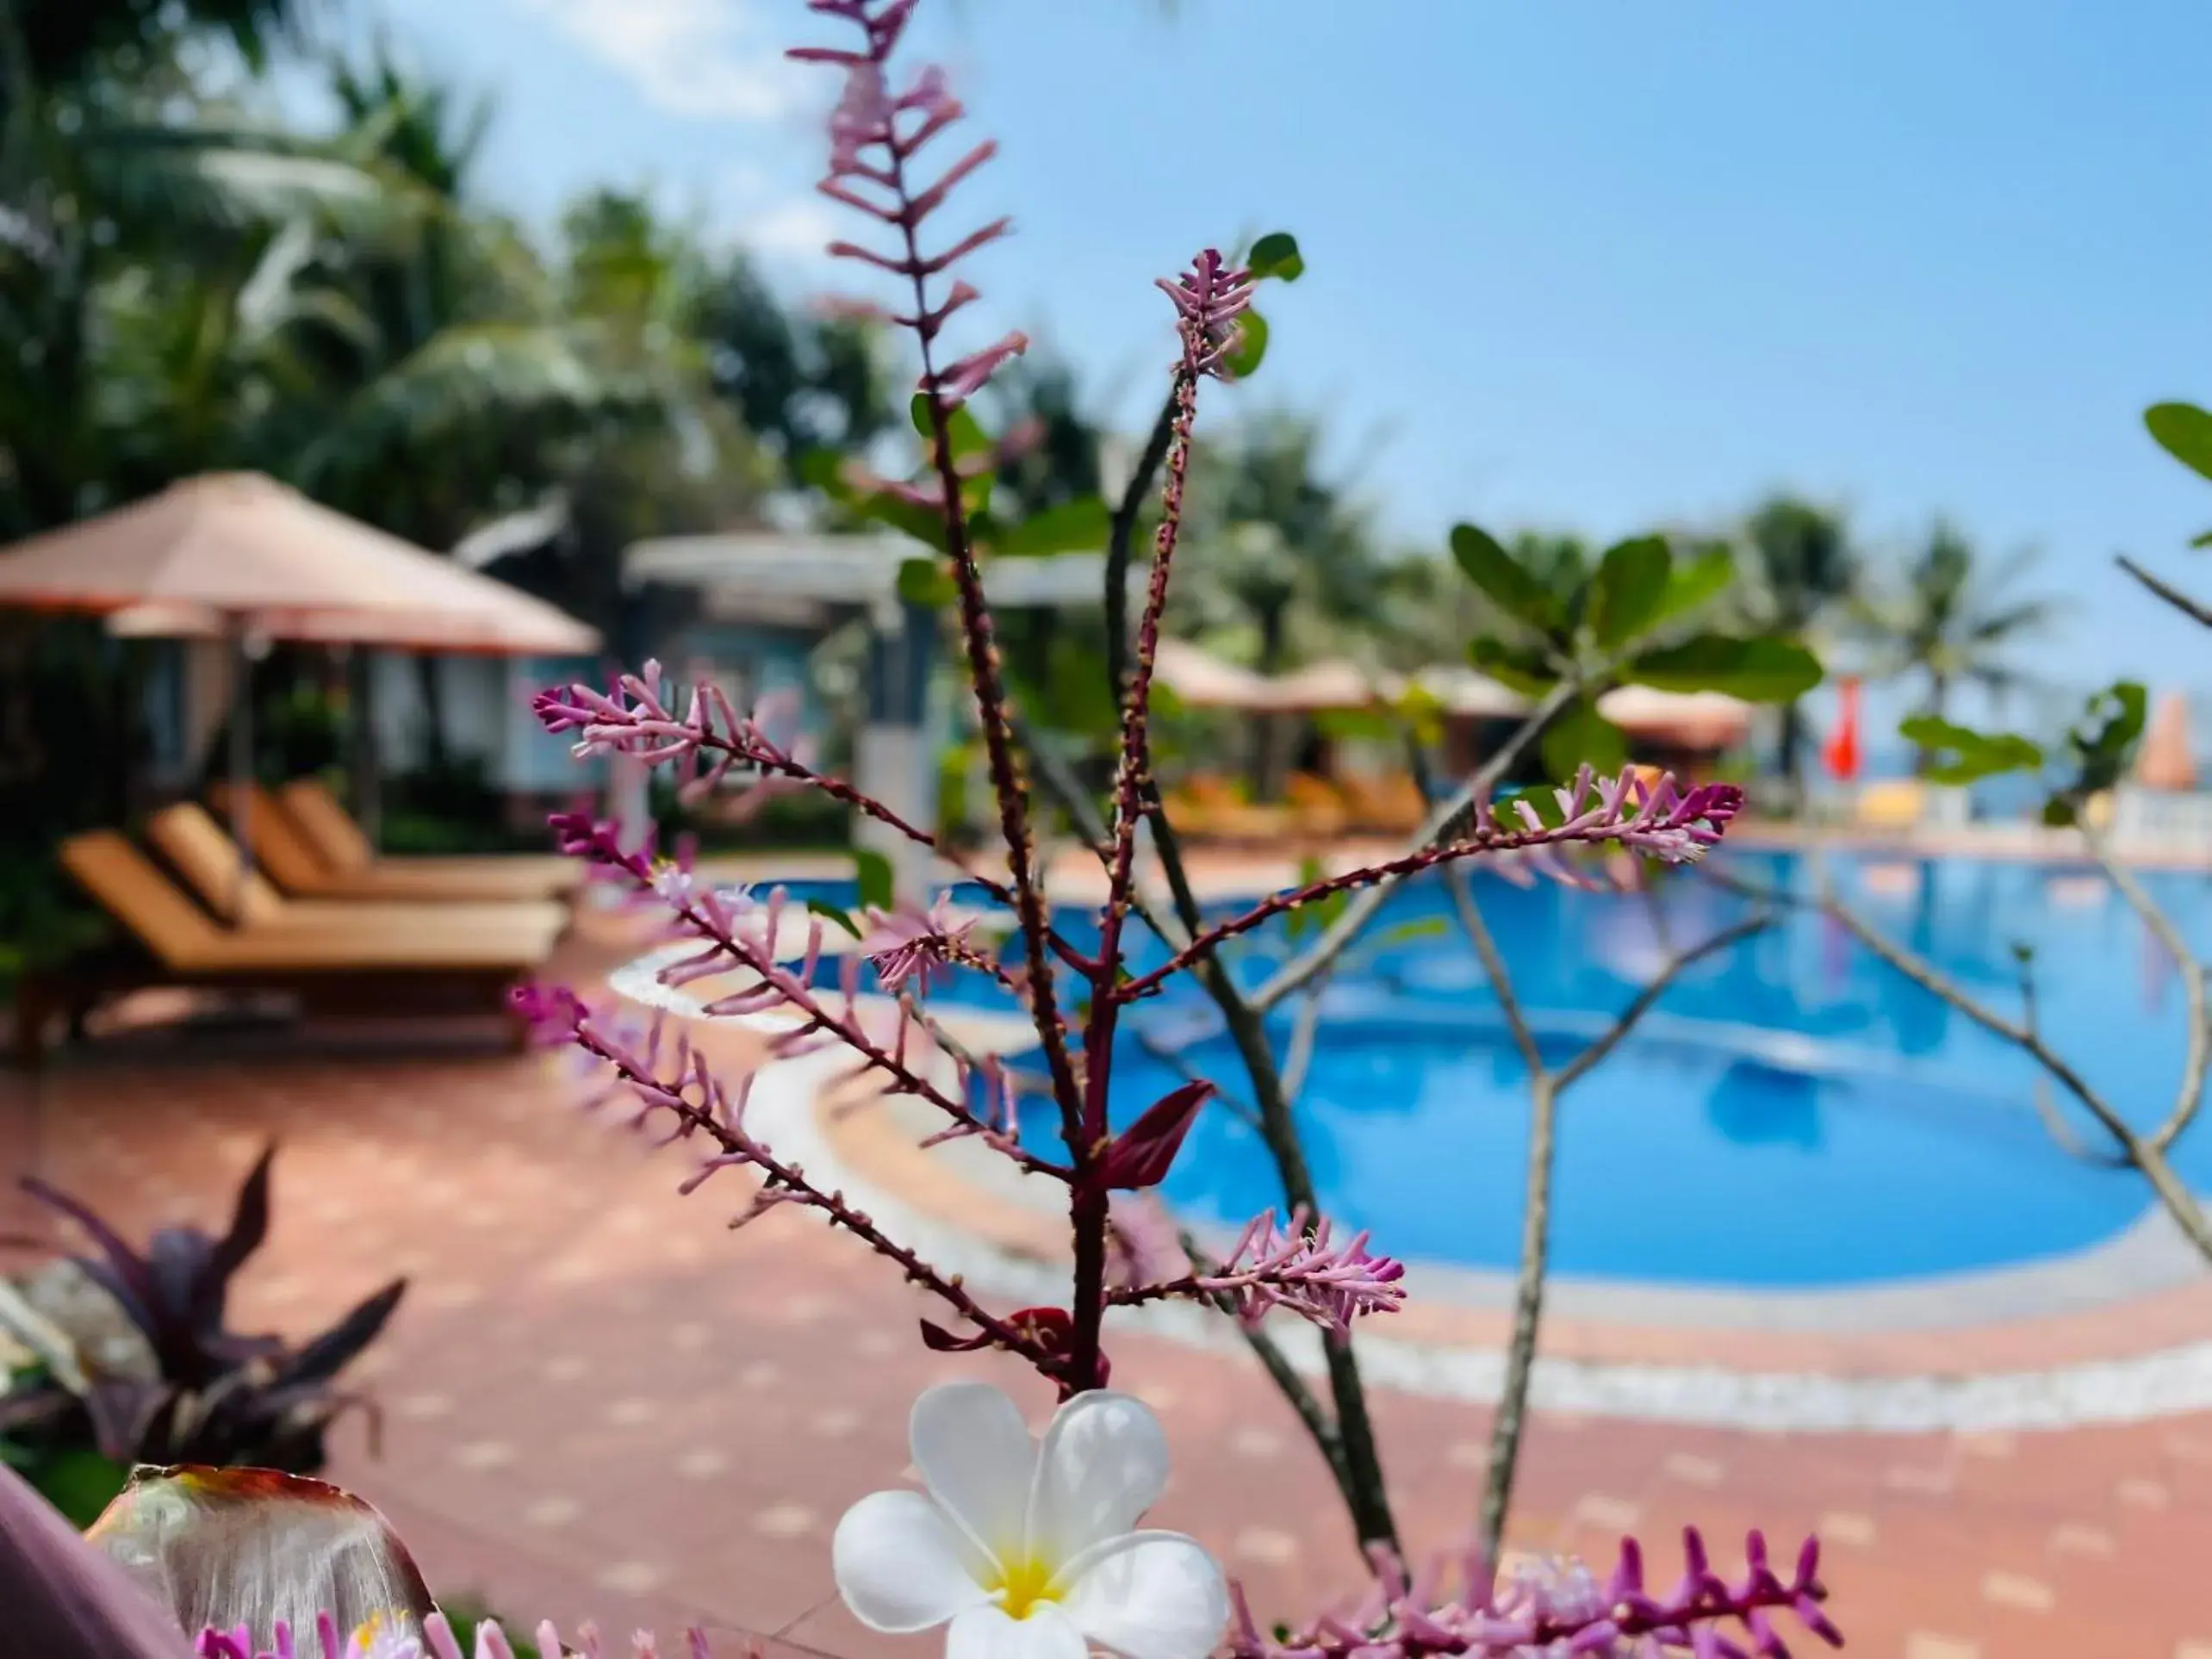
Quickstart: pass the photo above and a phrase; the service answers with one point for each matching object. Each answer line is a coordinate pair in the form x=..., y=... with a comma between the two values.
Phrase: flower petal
x=900, y=1565
x=1103, y=1465
x=257, y=1548
x=1148, y=1595
x=988, y=1633
x=978, y=1458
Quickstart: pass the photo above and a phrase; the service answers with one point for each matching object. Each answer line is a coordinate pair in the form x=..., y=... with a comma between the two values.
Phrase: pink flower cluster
x=1298, y=1268
x=1553, y=1609
x=438, y=1641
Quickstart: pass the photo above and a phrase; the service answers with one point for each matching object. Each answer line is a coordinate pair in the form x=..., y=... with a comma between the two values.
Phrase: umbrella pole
x=241, y=768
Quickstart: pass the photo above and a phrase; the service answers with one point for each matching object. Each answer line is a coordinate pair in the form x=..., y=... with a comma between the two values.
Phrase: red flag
x=1841, y=753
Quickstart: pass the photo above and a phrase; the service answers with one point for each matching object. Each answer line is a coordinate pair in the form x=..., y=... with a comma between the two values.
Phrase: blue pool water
x=1791, y=1114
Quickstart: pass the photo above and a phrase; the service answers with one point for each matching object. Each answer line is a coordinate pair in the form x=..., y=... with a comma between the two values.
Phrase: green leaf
x=79, y=1482
x=1519, y=670
x=1405, y=933
x=2059, y=813
x=2183, y=432
x=1276, y=255
x=1077, y=526
x=1243, y=358
x=2202, y=538
x=1581, y=736
x=1694, y=582
x=1503, y=578
x=1970, y=754
x=1544, y=799
x=924, y=525
x=2110, y=725
x=873, y=873
x=828, y=912
x=1629, y=587
x=966, y=431
x=927, y=583
x=823, y=468
x=1757, y=670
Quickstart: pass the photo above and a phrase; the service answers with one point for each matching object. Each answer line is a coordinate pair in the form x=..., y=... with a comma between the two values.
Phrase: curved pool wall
x=1793, y=1117
x=787, y=1111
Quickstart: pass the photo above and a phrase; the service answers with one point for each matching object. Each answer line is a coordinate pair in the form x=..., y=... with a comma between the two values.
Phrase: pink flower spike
x=1208, y=299
x=919, y=945
x=1297, y=1268
x=962, y=380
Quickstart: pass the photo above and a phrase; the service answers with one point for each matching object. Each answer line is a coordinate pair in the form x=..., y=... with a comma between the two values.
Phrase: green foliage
x=1244, y=357
x=927, y=583
x=1581, y=736
x=1758, y=670
x=872, y=872
x=1963, y=755
x=2183, y=432
x=1076, y=526
x=966, y=432
x=2105, y=739
x=464, y=1613
x=1316, y=918
x=76, y=1480
x=1631, y=586
x=832, y=914
x=1695, y=582
x=1504, y=579
x=1516, y=667
x=1276, y=255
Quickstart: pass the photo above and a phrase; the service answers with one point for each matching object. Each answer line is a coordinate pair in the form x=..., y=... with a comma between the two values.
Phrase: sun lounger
x=1317, y=810
x=1393, y=805
x=313, y=849
x=198, y=848
x=356, y=968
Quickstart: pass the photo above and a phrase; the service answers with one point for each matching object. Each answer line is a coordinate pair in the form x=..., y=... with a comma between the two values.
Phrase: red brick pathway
x=597, y=1402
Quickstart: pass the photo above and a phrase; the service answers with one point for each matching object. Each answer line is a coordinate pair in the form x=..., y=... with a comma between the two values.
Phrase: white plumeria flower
x=1031, y=1551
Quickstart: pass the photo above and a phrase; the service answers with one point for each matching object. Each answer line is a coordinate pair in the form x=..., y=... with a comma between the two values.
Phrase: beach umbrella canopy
x=1336, y=684
x=239, y=552
x=1700, y=720
x=241, y=556
x=1201, y=681
x=2166, y=761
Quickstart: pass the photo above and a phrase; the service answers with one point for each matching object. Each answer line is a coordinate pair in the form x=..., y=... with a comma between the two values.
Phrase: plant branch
x=1441, y=823
x=1728, y=937
x=2188, y=607
x=2190, y=1095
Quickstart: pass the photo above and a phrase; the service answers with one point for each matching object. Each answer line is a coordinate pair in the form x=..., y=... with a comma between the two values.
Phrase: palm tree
x=1804, y=569
x=1953, y=621
x=1280, y=555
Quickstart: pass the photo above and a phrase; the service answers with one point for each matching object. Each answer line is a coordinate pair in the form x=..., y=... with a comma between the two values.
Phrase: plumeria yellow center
x=1024, y=1581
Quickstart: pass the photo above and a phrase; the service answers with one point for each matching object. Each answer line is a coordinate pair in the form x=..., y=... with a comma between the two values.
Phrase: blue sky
x=1598, y=266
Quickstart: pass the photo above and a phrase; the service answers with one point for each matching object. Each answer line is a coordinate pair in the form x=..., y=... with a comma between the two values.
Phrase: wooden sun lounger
x=313, y=849
x=375, y=968
x=199, y=850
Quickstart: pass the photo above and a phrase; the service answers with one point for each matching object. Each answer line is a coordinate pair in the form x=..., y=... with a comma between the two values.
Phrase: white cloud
x=776, y=216
x=704, y=59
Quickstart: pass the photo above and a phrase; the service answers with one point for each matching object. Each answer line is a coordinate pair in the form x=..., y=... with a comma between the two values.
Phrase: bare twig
x=2194, y=609
x=2190, y=1095
x=1442, y=822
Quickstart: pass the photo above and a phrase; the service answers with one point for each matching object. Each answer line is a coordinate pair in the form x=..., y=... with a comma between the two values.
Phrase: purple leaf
x=329, y=1353
x=1141, y=1154
x=65, y=1600
x=129, y=1276
x=249, y=1227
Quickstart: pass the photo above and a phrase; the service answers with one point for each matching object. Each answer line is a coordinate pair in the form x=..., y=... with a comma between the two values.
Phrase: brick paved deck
x=597, y=1402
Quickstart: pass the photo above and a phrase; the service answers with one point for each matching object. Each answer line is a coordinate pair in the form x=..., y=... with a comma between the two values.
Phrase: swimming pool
x=1791, y=1114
